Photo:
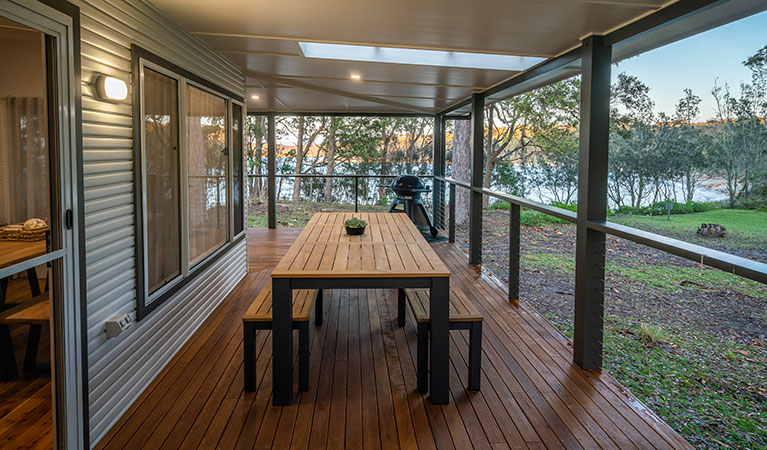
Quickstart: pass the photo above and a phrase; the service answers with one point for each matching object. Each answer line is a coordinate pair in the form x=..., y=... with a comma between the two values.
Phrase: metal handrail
x=354, y=176
x=744, y=267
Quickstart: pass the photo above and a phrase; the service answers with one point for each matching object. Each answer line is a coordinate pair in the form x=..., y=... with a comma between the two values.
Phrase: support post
x=438, y=164
x=514, y=213
x=592, y=202
x=477, y=169
x=271, y=167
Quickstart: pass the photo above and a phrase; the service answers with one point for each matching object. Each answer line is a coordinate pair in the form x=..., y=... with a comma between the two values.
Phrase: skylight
x=418, y=57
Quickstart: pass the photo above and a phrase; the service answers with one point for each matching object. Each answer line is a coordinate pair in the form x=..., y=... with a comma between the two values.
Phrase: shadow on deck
x=363, y=383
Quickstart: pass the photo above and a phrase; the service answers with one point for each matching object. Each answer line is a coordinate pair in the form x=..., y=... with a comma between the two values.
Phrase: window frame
x=142, y=59
x=243, y=176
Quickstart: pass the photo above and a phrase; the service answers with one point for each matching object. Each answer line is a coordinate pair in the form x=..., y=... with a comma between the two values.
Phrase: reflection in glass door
x=29, y=234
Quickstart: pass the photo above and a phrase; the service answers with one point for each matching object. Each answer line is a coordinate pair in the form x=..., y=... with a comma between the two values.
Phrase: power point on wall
x=118, y=324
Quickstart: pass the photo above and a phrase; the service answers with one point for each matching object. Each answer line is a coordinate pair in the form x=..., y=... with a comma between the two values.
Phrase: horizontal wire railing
x=727, y=262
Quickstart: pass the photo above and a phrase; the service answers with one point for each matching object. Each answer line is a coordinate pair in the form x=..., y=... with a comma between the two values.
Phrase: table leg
x=439, y=353
x=282, y=342
x=34, y=284
x=3, y=290
x=8, y=369
x=249, y=363
x=33, y=344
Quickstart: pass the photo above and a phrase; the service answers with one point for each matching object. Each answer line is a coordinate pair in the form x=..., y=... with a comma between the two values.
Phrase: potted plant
x=355, y=226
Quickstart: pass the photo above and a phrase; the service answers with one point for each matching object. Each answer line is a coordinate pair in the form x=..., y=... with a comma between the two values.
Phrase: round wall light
x=110, y=88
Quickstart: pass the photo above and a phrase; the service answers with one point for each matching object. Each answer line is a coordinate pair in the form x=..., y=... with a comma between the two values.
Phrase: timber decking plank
x=362, y=377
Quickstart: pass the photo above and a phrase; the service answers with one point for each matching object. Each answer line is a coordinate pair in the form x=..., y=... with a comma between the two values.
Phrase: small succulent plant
x=355, y=223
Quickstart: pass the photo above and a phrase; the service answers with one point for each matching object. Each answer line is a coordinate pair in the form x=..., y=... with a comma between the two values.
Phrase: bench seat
x=259, y=317
x=463, y=316
x=36, y=313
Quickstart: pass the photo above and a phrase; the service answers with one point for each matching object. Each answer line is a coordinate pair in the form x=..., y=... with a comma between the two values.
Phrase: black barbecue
x=409, y=189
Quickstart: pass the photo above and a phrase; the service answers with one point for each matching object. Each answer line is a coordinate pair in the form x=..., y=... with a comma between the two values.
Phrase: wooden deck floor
x=363, y=384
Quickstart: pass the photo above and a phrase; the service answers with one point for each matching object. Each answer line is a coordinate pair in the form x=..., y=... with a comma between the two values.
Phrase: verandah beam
x=477, y=168
x=592, y=202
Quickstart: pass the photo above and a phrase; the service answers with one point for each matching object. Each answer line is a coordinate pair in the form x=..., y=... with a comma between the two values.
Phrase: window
x=207, y=157
x=183, y=176
x=162, y=215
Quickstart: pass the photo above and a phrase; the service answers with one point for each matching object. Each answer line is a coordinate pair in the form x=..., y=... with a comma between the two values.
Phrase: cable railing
x=355, y=185
x=737, y=265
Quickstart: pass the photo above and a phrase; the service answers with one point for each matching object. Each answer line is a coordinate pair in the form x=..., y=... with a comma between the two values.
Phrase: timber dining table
x=391, y=254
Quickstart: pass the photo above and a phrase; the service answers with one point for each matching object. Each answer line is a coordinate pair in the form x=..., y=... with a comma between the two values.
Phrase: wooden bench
x=259, y=317
x=463, y=316
x=36, y=313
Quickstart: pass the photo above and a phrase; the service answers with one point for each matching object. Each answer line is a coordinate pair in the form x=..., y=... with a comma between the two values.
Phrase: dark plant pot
x=355, y=231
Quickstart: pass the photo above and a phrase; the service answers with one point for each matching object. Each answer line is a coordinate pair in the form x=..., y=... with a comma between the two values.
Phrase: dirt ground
x=714, y=308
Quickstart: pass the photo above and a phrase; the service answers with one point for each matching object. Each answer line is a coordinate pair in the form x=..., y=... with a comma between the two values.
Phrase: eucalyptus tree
x=739, y=149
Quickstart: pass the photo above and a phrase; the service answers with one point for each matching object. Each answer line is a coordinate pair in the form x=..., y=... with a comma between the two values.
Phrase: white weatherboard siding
x=121, y=368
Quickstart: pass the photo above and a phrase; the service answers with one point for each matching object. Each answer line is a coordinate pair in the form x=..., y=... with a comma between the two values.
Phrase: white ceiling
x=262, y=36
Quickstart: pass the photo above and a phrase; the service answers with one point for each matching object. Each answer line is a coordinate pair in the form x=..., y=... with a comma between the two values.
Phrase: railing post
x=477, y=169
x=271, y=167
x=356, y=193
x=514, y=213
x=592, y=202
x=451, y=226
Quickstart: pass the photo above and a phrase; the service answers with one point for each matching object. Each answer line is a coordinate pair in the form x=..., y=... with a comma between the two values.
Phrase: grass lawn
x=743, y=226
x=712, y=391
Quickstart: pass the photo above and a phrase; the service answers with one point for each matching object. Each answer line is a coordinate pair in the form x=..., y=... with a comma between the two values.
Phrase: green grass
x=666, y=277
x=742, y=225
x=710, y=390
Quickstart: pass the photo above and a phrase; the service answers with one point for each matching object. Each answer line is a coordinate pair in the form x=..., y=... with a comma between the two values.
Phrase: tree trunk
x=460, y=169
x=331, y=161
x=299, y=159
x=384, y=164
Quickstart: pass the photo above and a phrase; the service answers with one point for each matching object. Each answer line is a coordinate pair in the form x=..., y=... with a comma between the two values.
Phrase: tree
x=256, y=128
x=739, y=149
x=461, y=153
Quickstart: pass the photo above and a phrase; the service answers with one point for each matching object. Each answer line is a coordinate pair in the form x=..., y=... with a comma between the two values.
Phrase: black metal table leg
x=303, y=356
x=422, y=363
x=249, y=363
x=439, y=354
x=33, y=344
x=3, y=291
x=282, y=342
x=401, y=313
x=318, y=309
x=34, y=284
x=8, y=369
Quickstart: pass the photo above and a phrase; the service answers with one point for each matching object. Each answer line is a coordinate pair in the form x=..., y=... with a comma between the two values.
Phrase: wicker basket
x=17, y=233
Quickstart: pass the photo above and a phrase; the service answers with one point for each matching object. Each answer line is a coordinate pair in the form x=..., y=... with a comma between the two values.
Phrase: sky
x=696, y=62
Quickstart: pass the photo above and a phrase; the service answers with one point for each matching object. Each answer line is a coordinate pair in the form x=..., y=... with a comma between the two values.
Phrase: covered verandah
x=363, y=385
x=540, y=389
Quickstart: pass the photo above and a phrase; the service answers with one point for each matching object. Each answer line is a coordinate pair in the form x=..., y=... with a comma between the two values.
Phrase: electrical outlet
x=118, y=324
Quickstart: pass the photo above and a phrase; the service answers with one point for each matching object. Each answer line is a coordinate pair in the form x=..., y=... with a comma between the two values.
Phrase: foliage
x=659, y=208
x=355, y=222
x=652, y=335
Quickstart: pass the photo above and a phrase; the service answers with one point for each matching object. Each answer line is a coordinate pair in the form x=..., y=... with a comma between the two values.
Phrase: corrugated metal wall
x=120, y=368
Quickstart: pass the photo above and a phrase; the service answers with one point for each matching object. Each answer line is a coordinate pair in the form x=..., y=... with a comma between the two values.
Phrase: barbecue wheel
x=433, y=231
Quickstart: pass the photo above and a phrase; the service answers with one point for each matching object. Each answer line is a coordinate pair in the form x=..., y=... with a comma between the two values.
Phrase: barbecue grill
x=409, y=189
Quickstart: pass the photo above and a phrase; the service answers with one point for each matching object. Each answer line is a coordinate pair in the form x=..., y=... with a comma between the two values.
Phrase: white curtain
x=24, y=160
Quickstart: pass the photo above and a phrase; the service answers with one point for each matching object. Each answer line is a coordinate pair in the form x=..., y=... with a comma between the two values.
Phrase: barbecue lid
x=405, y=183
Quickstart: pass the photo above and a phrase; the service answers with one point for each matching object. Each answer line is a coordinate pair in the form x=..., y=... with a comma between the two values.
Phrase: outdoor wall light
x=110, y=88
x=254, y=97
x=355, y=76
